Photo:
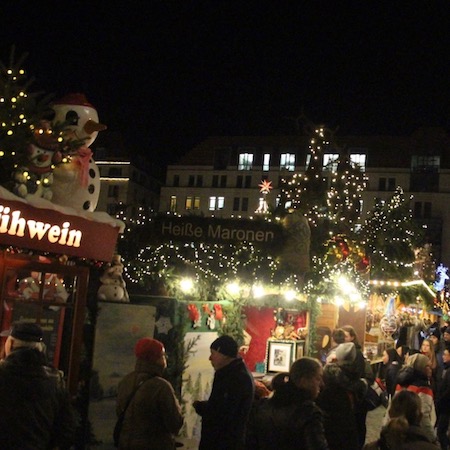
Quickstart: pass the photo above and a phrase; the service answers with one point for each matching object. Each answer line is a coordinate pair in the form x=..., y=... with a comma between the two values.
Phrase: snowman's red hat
x=44, y=137
x=73, y=99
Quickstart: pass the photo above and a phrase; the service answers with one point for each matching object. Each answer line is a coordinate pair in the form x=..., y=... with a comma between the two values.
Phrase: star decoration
x=265, y=186
x=164, y=325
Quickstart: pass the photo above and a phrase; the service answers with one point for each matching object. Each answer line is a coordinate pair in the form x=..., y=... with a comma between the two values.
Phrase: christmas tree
x=344, y=196
x=21, y=113
x=391, y=239
x=307, y=192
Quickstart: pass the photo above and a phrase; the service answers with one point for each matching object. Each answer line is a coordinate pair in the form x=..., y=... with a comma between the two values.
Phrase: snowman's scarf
x=82, y=160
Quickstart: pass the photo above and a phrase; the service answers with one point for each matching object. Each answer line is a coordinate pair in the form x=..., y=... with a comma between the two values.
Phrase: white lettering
x=53, y=234
x=15, y=225
x=37, y=228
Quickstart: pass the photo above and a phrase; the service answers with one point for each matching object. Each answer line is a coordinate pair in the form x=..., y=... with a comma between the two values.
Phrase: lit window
x=287, y=161
x=266, y=162
x=216, y=203
x=188, y=204
x=360, y=160
x=245, y=161
x=173, y=203
x=425, y=163
x=196, y=202
x=330, y=161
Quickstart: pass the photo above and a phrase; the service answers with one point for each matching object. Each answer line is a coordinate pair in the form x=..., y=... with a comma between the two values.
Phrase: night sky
x=167, y=74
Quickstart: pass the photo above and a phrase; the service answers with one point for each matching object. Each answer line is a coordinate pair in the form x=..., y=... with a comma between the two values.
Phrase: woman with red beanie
x=153, y=416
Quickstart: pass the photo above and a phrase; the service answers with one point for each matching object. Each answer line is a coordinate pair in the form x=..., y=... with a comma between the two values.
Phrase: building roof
x=382, y=151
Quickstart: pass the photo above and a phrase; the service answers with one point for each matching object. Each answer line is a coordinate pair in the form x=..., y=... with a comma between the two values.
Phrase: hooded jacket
x=290, y=416
x=416, y=381
x=35, y=411
x=153, y=416
x=414, y=438
x=341, y=400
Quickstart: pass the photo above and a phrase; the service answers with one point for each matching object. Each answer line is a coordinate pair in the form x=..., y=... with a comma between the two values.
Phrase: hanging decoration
x=265, y=188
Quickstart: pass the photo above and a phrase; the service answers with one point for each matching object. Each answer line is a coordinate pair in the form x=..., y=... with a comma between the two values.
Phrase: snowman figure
x=77, y=182
x=34, y=178
x=113, y=286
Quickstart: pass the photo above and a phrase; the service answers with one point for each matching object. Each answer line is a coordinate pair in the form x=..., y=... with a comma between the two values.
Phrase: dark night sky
x=166, y=74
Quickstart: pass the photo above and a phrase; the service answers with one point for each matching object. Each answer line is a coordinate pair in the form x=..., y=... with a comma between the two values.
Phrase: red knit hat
x=148, y=349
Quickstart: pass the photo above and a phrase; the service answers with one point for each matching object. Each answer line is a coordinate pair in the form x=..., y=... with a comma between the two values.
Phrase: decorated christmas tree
x=344, y=196
x=307, y=192
x=391, y=239
x=21, y=113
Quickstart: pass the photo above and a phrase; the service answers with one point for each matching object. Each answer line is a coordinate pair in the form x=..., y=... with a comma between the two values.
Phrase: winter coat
x=289, y=417
x=341, y=400
x=35, y=410
x=443, y=399
x=225, y=413
x=414, y=439
x=390, y=376
x=154, y=415
x=415, y=381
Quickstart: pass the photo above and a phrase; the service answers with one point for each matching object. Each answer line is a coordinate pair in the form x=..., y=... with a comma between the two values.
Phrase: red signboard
x=47, y=230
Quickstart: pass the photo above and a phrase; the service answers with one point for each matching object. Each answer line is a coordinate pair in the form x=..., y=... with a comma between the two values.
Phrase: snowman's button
x=91, y=189
x=86, y=205
x=92, y=173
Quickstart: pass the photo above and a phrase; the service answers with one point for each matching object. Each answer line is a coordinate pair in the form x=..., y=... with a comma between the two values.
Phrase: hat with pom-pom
x=149, y=349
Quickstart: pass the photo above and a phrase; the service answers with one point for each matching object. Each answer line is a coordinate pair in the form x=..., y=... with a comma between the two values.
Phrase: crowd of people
x=315, y=406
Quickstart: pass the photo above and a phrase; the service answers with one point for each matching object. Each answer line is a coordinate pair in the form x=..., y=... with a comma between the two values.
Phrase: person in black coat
x=364, y=370
x=35, y=409
x=225, y=413
x=391, y=365
x=341, y=399
x=443, y=401
x=290, y=418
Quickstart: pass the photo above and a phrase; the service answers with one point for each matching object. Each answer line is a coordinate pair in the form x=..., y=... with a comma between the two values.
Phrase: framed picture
x=280, y=355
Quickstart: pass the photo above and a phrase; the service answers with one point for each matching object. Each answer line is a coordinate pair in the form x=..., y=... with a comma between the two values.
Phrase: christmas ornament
x=164, y=325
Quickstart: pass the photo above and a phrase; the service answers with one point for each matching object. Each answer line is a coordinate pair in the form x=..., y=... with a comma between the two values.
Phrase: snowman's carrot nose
x=91, y=126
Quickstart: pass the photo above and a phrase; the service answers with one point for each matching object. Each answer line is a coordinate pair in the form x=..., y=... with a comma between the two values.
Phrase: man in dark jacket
x=35, y=410
x=225, y=413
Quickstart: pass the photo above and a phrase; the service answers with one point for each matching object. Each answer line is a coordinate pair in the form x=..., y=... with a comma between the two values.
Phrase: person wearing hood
x=153, y=416
x=35, y=408
x=344, y=391
x=403, y=431
x=415, y=376
x=290, y=418
x=225, y=413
